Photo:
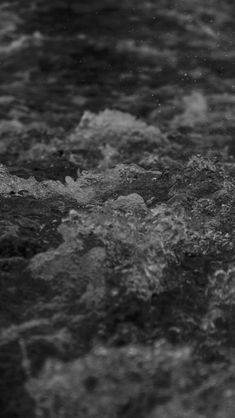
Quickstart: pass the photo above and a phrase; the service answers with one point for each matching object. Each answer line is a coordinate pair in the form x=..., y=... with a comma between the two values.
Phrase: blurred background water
x=171, y=63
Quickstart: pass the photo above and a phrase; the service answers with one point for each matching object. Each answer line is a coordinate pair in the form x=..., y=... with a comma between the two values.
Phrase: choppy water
x=60, y=58
x=170, y=63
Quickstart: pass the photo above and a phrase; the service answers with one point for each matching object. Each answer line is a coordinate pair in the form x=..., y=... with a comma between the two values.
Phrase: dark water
x=170, y=63
x=140, y=57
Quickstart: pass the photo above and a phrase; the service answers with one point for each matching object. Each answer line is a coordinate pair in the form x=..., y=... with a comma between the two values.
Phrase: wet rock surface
x=117, y=209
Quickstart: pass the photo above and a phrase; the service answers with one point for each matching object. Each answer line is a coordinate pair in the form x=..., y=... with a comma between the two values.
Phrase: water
x=140, y=57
